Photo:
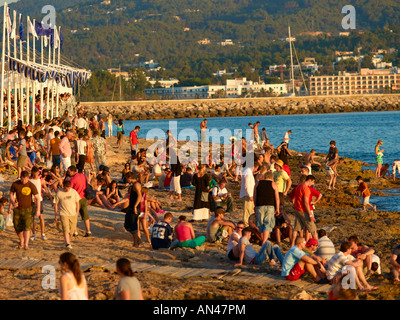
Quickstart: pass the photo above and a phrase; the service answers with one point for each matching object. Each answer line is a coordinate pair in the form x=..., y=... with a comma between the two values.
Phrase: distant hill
x=104, y=34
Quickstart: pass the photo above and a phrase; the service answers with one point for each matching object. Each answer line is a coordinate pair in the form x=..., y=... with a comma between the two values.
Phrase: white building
x=163, y=83
x=232, y=89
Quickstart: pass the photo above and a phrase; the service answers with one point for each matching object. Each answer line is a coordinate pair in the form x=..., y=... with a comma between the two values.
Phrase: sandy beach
x=339, y=210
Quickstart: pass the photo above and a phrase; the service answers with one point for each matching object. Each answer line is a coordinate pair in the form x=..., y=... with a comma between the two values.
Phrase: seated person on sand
x=186, y=177
x=344, y=259
x=326, y=249
x=162, y=232
x=297, y=262
x=309, y=161
x=112, y=192
x=310, y=249
x=385, y=170
x=282, y=229
x=395, y=263
x=247, y=254
x=221, y=197
x=184, y=235
x=100, y=199
x=219, y=229
x=125, y=170
x=233, y=249
x=141, y=172
x=361, y=252
x=256, y=236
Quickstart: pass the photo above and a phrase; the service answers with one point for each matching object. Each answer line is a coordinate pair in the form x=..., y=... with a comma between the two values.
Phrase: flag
x=43, y=29
x=8, y=18
x=31, y=29
x=14, y=26
x=54, y=39
x=21, y=30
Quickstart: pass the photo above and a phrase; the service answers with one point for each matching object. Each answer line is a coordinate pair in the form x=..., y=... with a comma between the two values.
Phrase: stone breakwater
x=175, y=109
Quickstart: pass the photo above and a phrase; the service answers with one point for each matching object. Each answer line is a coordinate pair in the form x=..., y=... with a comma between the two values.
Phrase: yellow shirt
x=281, y=179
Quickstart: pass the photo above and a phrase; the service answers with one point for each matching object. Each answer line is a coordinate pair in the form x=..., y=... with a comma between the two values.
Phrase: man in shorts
x=304, y=217
x=134, y=140
x=66, y=150
x=297, y=262
x=332, y=160
x=21, y=192
x=79, y=183
x=66, y=203
x=396, y=166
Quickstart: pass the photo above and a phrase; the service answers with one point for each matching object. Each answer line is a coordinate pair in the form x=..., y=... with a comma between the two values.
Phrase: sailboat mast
x=291, y=61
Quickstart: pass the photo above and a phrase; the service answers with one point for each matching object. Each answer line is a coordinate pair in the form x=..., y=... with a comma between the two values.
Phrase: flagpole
x=15, y=74
x=34, y=80
x=27, y=80
x=9, y=83
x=2, y=65
x=41, y=83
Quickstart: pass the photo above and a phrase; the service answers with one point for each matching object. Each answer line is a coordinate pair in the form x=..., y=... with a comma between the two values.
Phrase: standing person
x=21, y=192
x=263, y=136
x=73, y=284
x=102, y=127
x=162, y=233
x=89, y=154
x=110, y=124
x=283, y=154
x=55, y=149
x=379, y=158
x=66, y=204
x=21, y=152
x=283, y=181
x=128, y=286
x=257, y=138
x=286, y=137
x=365, y=194
x=80, y=122
x=37, y=181
x=202, y=203
x=82, y=149
x=79, y=184
x=247, y=193
x=266, y=199
x=120, y=132
x=133, y=137
x=99, y=149
x=133, y=209
x=332, y=159
x=66, y=150
x=395, y=166
x=203, y=131
x=304, y=217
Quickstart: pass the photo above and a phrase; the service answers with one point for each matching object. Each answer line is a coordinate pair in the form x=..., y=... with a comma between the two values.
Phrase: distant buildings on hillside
x=232, y=89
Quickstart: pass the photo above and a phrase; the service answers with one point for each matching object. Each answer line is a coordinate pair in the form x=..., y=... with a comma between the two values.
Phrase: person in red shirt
x=304, y=217
x=365, y=194
x=134, y=140
x=79, y=183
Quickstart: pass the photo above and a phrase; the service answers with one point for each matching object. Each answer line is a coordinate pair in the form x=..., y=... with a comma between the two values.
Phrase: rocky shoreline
x=175, y=109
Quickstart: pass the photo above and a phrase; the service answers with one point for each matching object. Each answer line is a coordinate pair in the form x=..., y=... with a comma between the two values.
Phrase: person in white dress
x=73, y=284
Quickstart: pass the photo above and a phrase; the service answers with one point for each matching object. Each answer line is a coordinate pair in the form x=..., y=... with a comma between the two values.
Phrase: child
x=37, y=181
x=365, y=194
x=3, y=202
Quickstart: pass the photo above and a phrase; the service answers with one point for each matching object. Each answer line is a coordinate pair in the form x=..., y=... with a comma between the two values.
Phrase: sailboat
x=293, y=93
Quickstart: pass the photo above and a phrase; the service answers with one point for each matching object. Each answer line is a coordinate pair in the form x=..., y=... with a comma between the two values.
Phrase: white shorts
x=66, y=163
x=365, y=201
x=396, y=166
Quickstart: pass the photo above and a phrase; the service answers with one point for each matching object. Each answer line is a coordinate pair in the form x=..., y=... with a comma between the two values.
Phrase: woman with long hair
x=73, y=284
x=128, y=286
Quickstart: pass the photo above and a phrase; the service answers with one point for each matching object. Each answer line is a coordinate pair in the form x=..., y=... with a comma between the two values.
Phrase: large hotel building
x=368, y=81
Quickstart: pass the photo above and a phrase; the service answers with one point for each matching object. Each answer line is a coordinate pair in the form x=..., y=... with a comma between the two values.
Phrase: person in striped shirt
x=326, y=249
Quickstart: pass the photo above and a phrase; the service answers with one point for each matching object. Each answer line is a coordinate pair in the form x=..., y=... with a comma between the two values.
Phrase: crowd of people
x=64, y=161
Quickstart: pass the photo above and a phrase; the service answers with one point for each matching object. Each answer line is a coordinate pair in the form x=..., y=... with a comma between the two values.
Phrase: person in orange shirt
x=304, y=217
x=55, y=149
x=365, y=194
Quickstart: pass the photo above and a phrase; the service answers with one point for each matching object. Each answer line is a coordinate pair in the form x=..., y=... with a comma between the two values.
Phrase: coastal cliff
x=238, y=107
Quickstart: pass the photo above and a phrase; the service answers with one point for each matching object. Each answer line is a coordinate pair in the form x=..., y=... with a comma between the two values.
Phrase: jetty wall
x=237, y=107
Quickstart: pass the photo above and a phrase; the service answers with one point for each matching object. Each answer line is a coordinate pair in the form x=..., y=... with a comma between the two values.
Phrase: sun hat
x=279, y=163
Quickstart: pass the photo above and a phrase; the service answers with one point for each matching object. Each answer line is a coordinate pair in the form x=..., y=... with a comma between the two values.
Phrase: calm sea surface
x=355, y=135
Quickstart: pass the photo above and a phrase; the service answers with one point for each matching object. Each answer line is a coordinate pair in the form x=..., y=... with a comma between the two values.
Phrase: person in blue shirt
x=162, y=233
x=297, y=262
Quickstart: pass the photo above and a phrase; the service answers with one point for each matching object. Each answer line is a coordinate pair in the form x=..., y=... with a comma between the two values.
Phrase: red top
x=78, y=182
x=300, y=191
x=133, y=136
